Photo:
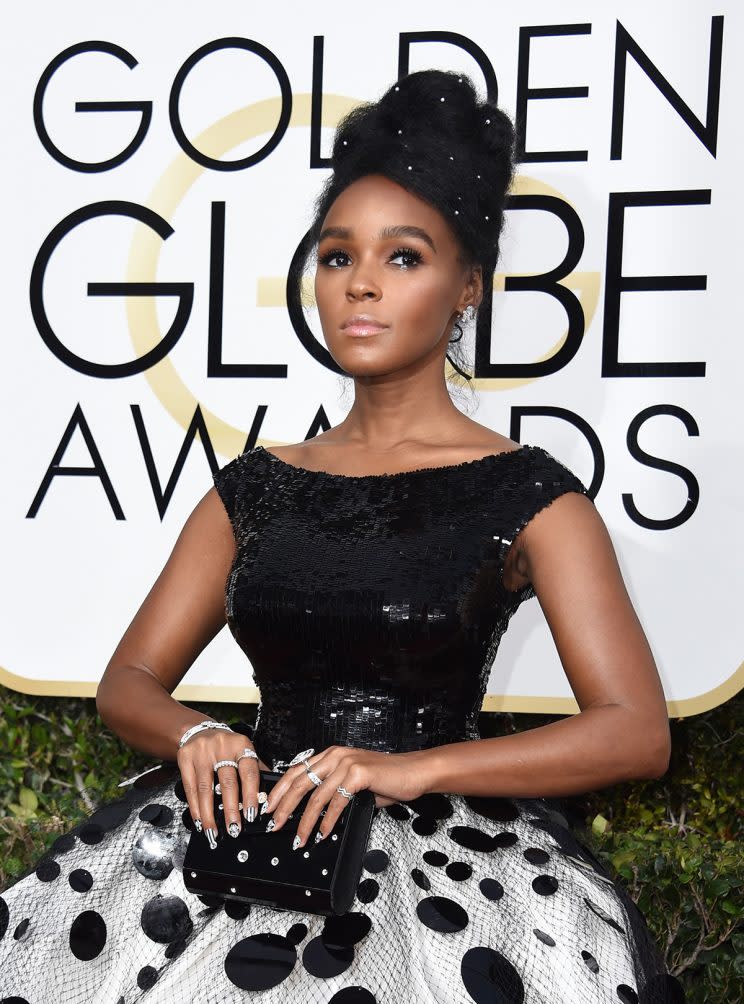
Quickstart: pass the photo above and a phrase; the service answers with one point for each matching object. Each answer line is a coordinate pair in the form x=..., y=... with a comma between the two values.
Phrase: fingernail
x=211, y=837
x=249, y=813
x=261, y=796
x=198, y=825
x=318, y=837
x=264, y=808
x=234, y=829
x=296, y=842
x=270, y=825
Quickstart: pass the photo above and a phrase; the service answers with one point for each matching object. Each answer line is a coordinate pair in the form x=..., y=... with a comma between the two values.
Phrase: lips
x=363, y=324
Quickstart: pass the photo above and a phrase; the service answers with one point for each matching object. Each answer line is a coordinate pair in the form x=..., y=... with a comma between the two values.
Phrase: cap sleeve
x=540, y=482
x=233, y=484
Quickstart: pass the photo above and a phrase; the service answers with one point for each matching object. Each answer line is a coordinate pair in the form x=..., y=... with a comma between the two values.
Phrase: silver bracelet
x=201, y=727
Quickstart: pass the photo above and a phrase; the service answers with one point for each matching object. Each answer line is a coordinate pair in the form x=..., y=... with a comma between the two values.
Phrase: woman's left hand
x=393, y=777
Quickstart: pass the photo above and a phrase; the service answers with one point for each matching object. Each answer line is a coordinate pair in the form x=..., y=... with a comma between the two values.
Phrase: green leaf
x=28, y=800
x=600, y=824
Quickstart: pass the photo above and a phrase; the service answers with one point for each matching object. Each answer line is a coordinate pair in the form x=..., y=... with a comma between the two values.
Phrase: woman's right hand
x=196, y=760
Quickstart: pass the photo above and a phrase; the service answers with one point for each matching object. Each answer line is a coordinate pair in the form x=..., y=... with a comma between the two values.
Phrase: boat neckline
x=489, y=457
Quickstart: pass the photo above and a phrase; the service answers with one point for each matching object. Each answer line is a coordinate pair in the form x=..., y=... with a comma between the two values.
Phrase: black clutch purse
x=260, y=867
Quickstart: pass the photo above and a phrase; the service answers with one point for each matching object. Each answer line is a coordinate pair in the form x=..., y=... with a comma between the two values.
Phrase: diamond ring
x=248, y=753
x=225, y=763
x=344, y=792
x=314, y=777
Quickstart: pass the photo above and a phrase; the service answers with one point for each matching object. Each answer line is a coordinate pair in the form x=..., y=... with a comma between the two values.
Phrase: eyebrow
x=401, y=230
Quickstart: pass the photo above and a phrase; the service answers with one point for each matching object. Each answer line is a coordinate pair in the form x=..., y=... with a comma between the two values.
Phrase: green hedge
x=675, y=842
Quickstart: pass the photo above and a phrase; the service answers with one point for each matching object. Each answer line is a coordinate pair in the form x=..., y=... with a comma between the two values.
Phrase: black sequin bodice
x=371, y=607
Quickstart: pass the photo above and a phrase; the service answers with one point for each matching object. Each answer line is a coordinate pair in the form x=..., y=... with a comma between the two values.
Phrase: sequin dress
x=371, y=609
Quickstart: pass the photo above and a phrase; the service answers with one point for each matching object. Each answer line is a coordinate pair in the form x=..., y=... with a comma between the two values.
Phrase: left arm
x=622, y=729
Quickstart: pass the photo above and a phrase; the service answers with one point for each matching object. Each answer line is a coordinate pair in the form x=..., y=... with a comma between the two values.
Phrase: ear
x=472, y=293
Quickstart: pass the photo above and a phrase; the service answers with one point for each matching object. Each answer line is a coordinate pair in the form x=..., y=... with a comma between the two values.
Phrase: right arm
x=181, y=614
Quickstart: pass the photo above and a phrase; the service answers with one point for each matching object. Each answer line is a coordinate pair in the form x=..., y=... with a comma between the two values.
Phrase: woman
x=369, y=575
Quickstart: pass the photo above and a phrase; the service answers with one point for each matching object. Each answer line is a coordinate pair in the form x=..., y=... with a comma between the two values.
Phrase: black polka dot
x=80, y=880
x=179, y=792
x=542, y=936
x=490, y=978
x=424, y=825
x=236, y=910
x=537, y=856
x=325, y=962
x=63, y=843
x=109, y=816
x=376, y=861
x=491, y=888
x=442, y=914
x=213, y=902
x=91, y=833
x=21, y=928
x=261, y=961
x=433, y=804
x=47, y=870
x=147, y=977
x=158, y=815
x=458, y=871
x=13, y=1000
x=165, y=918
x=626, y=994
x=187, y=819
x=4, y=917
x=590, y=961
x=297, y=933
x=436, y=858
x=500, y=810
x=367, y=890
x=421, y=879
x=472, y=838
x=398, y=811
x=545, y=885
x=87, y=935
x=595, y=908
x=353, y=995
x=345, y=930
x=505, y=839
x=175, y=948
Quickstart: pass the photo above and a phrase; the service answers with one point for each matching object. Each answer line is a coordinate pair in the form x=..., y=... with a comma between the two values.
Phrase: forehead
x=375, y=201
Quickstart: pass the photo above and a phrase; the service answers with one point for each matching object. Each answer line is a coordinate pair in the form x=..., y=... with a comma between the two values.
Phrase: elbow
x=655, y=754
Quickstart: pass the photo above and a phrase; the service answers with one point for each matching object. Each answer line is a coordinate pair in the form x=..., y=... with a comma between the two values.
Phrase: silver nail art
x=198, y=825
x=264, y=808
x=296, y=842
x=251, y=813
x=211, y=837
x=234, y=829
x=270, y=825
x=318, y=837
x=262, y=796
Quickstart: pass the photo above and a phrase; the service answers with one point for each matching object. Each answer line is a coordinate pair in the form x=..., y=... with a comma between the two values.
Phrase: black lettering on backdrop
x=518, y=412
x=215, y=366
x=184, y=291
x=546, y=282
x=55, y=469
x=626, y=45
x=143, y=107
x=249, y=45
x=648, y=460
x=526, y=93
x=616, y=284
x=316, y=106
x=407, y=38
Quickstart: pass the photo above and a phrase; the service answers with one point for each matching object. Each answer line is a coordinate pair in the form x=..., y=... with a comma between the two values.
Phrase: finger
x=188, y=780
x=291, y=775
x=205, y=795
x=290, y=800
x=228, y=778
x=325, y=797
x=250, y=778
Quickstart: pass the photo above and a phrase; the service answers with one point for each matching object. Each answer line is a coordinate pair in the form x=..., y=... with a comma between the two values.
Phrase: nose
x=362, y=285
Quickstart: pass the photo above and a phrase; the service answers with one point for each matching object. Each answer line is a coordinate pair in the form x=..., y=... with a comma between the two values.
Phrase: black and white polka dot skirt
x=461, y=899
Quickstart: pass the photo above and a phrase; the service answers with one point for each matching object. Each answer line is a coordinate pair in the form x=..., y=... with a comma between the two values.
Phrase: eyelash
x=328, y=257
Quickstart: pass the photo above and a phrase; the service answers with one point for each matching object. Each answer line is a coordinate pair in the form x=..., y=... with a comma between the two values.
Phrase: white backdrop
x=647, y=405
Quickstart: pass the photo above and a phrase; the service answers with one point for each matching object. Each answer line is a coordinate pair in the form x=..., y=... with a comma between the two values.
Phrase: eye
x=329, y=257
x=411, y=257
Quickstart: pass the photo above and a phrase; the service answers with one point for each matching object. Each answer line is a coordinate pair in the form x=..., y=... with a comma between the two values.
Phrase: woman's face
x=389, y=280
